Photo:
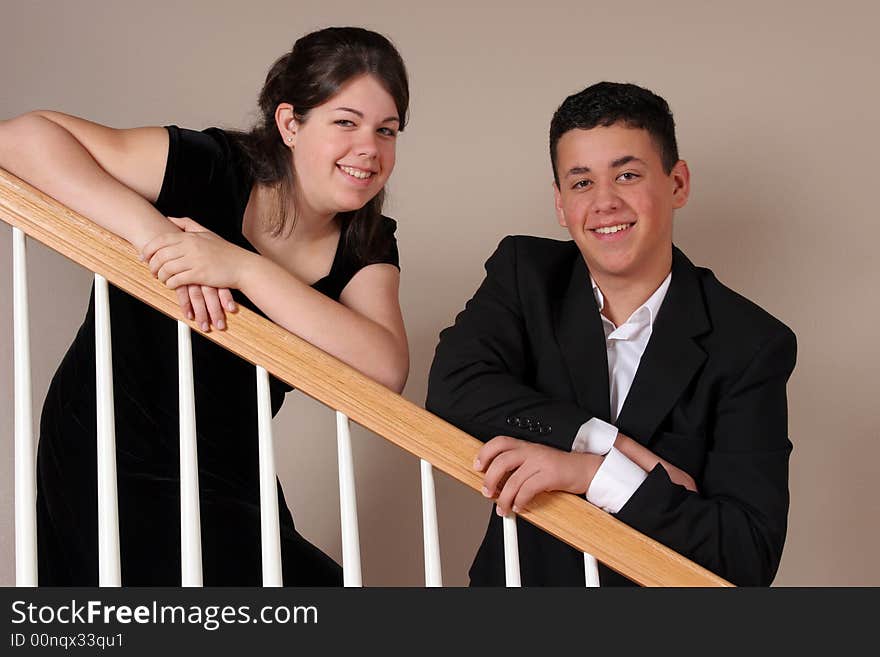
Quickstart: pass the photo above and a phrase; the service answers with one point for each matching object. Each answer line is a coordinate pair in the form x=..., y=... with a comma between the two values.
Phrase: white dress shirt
x=618, y=477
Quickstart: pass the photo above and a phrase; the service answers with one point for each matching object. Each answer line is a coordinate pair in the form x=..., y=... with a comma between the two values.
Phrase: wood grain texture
x=326, y=379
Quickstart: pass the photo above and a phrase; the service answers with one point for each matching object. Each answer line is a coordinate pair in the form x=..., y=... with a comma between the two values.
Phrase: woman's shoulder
x=203, y=176
x=200, y=161
x=209, y=148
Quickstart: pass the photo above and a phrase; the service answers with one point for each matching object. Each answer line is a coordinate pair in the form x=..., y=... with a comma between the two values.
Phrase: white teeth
x=357, y=173
x=608, y=230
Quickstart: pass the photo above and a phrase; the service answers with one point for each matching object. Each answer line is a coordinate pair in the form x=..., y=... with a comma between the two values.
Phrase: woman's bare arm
x=111, y=176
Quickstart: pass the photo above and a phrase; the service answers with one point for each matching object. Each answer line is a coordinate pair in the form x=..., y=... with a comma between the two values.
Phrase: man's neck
x=623, y=295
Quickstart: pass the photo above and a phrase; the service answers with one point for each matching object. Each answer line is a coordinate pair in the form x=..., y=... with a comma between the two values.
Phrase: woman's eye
x=388, y=132
x=345, y=123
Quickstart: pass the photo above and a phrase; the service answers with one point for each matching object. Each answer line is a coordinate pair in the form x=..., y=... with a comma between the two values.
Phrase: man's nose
x=606, y=199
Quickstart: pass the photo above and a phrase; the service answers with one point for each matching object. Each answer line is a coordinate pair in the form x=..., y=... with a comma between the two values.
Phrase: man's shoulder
x=732, y=314
x=537, y=257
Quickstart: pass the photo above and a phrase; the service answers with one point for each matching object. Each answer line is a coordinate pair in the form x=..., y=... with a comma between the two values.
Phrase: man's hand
x=517, y=470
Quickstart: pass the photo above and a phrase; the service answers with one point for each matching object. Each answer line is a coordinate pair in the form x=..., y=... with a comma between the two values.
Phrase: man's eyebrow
x=577, y=171
x=626, y=159
x=619, y=162
x=361, y=114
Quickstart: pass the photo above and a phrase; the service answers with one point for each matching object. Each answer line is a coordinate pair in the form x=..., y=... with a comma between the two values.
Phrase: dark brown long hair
x=317, y=67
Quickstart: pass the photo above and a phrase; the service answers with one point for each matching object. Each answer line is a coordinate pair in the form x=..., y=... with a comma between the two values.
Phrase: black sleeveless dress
x=204, y=179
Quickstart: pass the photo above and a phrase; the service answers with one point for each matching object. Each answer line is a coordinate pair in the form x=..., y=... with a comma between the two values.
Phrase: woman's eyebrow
x=361, y=114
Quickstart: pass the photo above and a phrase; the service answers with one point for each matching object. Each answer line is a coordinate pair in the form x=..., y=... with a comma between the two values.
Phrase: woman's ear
x=286, y=123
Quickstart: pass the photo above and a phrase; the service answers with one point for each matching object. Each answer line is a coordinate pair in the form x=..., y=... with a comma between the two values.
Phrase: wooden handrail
x=328, y=380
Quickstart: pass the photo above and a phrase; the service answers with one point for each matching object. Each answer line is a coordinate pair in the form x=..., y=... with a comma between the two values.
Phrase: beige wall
x=778, y=119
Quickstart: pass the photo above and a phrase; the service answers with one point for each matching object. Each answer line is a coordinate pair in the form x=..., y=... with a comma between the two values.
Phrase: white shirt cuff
x=595, y=437
x=615, y=482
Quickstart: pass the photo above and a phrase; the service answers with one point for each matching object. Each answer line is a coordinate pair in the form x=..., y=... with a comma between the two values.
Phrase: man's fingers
x=492, y=449
x=499, y=469
x=215, y=308
x=530, y=487
x=511, y=489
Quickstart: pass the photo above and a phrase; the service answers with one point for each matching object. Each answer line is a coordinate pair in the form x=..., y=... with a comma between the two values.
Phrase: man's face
x=617, y=201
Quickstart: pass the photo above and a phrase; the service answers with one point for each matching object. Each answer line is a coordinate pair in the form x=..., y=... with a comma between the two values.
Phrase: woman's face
x=344, y=150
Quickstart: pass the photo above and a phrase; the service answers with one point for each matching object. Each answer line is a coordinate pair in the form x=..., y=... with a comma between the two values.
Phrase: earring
x=289, y=139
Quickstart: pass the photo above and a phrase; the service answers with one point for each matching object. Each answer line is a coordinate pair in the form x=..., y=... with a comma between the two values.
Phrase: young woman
x=287, y=217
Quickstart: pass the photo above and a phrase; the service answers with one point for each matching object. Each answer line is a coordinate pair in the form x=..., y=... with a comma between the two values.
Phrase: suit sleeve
x=736, y=524
x=479, y=380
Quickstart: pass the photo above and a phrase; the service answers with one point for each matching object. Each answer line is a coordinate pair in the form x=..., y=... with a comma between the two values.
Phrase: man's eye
x=627, y=176
x=582, y=184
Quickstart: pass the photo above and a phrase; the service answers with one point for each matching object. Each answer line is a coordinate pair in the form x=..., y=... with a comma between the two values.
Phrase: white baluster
x=511, y=552
x=591, y=570
x=108, y=506
x=351, y=548
x=25, y=452
x=270, y=536
x=433, y=575
x=190, y=528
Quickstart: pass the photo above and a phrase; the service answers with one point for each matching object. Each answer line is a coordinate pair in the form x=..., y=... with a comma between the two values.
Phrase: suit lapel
x=582, y=341
x=672, y=357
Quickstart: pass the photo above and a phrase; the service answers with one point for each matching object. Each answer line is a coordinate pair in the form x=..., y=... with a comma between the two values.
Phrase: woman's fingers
x=184, y=302
x=226, y=300
x=187, y=224
x=199, y=308
x=159, y=242
x=163, y=255
x=215, y=307
x=169, y=268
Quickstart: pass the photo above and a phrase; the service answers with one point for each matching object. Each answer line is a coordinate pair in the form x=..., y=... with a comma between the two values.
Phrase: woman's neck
x=307, y=224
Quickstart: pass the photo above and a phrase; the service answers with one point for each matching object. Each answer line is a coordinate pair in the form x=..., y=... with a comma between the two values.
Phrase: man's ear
x=286, y=123
x=557, y=199
x=681, y=180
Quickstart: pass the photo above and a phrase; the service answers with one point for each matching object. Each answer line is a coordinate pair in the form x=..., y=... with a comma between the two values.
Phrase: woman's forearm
x=48, y=156
x=349, y=336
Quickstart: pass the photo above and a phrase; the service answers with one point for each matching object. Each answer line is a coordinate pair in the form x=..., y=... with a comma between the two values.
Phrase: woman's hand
x=195, y=256
x=172, y=254
x=517, y=470
x=206, y=305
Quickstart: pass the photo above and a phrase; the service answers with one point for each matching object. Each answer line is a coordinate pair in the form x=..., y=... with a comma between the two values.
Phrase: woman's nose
x=366, y=146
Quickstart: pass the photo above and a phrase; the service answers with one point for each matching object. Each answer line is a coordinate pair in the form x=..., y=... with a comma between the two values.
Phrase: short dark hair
x=607, y=103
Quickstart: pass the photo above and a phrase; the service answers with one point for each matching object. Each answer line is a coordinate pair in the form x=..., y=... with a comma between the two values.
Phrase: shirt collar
x=647, y=310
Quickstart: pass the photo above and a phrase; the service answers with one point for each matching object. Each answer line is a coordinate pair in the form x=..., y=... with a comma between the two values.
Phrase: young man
x=610, y=365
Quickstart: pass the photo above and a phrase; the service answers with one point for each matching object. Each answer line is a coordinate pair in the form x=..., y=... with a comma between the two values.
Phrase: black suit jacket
x=526, y=358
